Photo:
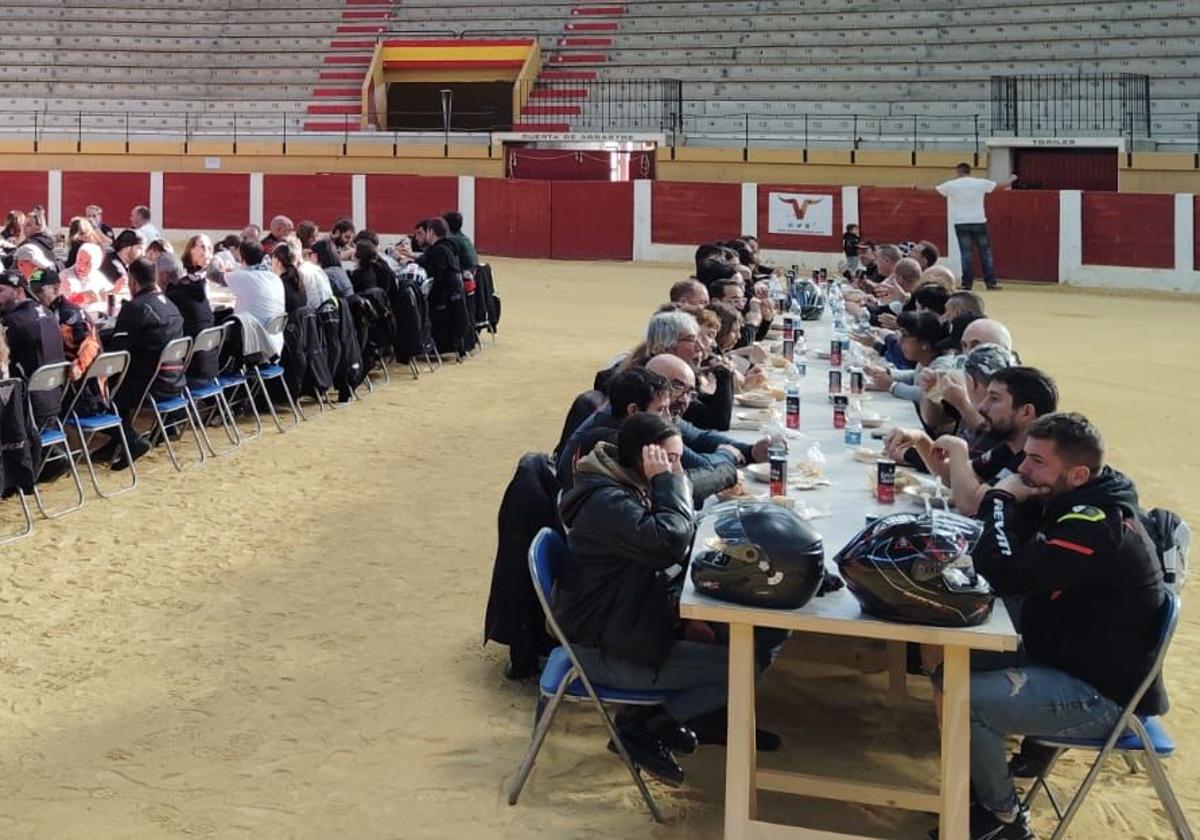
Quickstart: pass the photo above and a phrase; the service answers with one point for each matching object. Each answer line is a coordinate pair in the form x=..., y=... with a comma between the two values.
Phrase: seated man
x=986, y=331
x=1091, y=589
x=81, y=345
x=257, y=290
x=1015, y=398
x=950, y=400
x=629, y=521
x=34, y=339
x=144, y=327
x=126, y=248
x=690, y=292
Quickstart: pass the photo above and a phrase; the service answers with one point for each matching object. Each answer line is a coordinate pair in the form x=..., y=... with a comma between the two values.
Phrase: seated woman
x=629, y=519
x=189, y=293
x=922, y=337
x=85, y=285
x=285, y=263
x=712, y=407
x=725, y=344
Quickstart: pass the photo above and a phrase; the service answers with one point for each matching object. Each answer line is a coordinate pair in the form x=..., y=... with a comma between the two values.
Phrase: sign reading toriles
x=801, y=213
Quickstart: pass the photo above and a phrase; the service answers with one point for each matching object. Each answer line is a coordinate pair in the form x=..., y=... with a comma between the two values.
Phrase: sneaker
x=713, y=728
x=994, y=287
x=678, y=738
x=138, y=447
x=987, y=826
x=651, y=755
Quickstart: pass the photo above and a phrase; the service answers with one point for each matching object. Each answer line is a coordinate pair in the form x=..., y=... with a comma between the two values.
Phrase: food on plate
x=866, y=455
x=755, y=399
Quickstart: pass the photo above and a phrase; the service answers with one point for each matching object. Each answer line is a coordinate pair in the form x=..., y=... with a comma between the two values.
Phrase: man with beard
x=1091, y=590
x=1015, y=398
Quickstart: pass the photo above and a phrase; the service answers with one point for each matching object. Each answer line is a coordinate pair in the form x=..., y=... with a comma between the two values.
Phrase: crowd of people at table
x=99, y=290
x=648, y=445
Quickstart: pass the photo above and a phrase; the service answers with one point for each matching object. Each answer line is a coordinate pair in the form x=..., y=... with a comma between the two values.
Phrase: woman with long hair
x=285, y=262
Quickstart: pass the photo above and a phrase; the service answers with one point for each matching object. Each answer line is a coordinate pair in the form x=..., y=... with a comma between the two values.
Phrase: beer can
x=789, y=328
x=856, y=381
x=835, y=353
x=793, y=408
x=778, y=461
x=112, y=305
x=885, y=484
x=840, y=402
x=789, y=347
x=835, y=381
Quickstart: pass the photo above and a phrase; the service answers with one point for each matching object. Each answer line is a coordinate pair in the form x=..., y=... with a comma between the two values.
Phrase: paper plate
x=866, y=456
x=754, y=399
x=759, y=472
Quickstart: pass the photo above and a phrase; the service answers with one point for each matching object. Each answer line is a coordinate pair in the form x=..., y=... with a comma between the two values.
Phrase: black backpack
x=1172, y=538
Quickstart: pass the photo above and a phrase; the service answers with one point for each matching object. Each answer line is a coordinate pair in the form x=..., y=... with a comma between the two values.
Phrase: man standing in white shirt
x=965, y=195
x=139, y=220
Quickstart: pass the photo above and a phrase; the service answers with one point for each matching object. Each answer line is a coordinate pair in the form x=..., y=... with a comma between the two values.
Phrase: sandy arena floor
x=286, y=643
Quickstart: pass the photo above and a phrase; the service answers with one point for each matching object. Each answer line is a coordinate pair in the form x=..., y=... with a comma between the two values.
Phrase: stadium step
x=578, y=58
x=339, y=92
x=364, y=60
x=558, y=93
x=553, y=128
x=318, y=125
x=342, y=75
x=368, y=46
x=597, y=11
x=551, y=111
x=598, y=26
x=585, y=42
x=567, y=75
x=353, y=108
x=371, y=29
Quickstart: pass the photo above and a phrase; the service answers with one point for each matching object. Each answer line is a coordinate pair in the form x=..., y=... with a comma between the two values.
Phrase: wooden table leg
x=897, y=666
x=956, y=743
x=741, y=797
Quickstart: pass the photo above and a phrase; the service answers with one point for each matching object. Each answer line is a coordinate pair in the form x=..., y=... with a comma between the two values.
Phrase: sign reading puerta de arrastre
x=800, y=213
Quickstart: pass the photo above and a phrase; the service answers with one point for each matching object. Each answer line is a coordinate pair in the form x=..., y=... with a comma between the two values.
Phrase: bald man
x=281, y=228
x=986, y=331
x=689, y=292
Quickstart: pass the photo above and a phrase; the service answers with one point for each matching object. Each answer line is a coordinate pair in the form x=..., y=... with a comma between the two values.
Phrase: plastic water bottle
x=800, y=362
x=854, y=427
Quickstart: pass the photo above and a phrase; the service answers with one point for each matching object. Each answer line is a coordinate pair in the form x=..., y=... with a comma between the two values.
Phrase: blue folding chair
x=262, y=373
x=563, y=678
x=1148, y=738
x=14, y=390
x=174, y=412
x=111, y=368
x=207, y=396
x=53, y=436
x=235, y=387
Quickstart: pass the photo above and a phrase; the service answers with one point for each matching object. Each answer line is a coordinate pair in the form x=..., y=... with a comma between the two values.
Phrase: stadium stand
x=779, y=70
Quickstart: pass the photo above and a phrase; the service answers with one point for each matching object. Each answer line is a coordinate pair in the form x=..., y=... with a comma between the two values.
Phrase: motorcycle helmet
x=762, y=555
x=917, y=568
x=809, y=298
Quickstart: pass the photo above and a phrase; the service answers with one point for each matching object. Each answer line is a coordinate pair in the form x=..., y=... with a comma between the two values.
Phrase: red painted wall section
x=1129, y=229
x=323, y=198
x=795, y=241
x=591, y=220
x=396, y=203
x=689, y=214
x=512, y=218
x=897, y=214
x=22, y=190
x=559, y=164
x=206, y=201
x=1023, y=225
x=116, y=192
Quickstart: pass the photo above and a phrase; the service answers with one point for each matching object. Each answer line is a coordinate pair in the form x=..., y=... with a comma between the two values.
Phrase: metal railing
x=648, y=105
x=1096, y=104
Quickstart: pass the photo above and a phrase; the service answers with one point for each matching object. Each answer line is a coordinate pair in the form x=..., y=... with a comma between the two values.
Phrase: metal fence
x=648, y=105
x=1108, y=104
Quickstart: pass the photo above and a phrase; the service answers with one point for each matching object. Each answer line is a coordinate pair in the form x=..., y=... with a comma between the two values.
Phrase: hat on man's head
x=32, y=253
x=126, y=239
x=12, y=278
x=44, y=277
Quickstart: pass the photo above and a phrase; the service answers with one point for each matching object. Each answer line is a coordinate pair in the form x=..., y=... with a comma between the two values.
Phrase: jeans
x=970, y=236
x=696, y=674
x=1026, y=700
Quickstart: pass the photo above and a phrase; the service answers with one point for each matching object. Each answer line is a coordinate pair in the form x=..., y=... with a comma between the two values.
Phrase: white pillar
x=256, y=198
x=358, y=201
x=1070, y=234
x=643, y=209
x=849, y=207
x=156, y=199
x=750, y=209
x=466, y=203
x=1185, y=233
x=54, y=199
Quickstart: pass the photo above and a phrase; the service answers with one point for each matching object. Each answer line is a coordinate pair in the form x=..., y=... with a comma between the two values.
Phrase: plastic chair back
x=208, y=339
x=276, y=325
x=48, y=377
x=174, y=352
x=106, y=366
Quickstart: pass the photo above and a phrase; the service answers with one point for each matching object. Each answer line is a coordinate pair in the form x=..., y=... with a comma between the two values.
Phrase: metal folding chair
x=53, y=436
x=1133, y=735
x=14, y=390
x=563, y=678
x=110, y=367
x=207, y=397
x=261, y=374
x=174, y=412
x=235, y=386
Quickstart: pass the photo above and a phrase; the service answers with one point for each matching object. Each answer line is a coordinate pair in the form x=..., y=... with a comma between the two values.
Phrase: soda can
x=778, y=461
x=835, y=353
x=789, y=347
x=840, y=402
x=885, y=484
x=835, y=381
x=112, y=305
x=789, y=328
x=856, y=381
x=793, y=408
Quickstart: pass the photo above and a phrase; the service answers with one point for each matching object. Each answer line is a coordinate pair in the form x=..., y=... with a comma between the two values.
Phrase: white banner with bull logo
x=801, y=213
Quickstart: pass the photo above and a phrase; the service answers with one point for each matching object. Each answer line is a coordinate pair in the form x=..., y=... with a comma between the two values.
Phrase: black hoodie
x=1091, y=582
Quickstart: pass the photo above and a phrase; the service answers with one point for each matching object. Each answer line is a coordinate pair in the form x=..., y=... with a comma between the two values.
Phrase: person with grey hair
x=281, y=228
x=673, y=332
x=189, y=292
x=139, y=220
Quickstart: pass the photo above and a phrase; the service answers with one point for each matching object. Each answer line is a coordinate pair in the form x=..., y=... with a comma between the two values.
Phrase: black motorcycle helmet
x=917, y=568
x=762, y=555
x=809, y=298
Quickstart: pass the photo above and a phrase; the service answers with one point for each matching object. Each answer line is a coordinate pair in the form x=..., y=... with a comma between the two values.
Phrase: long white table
x=847, y=503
